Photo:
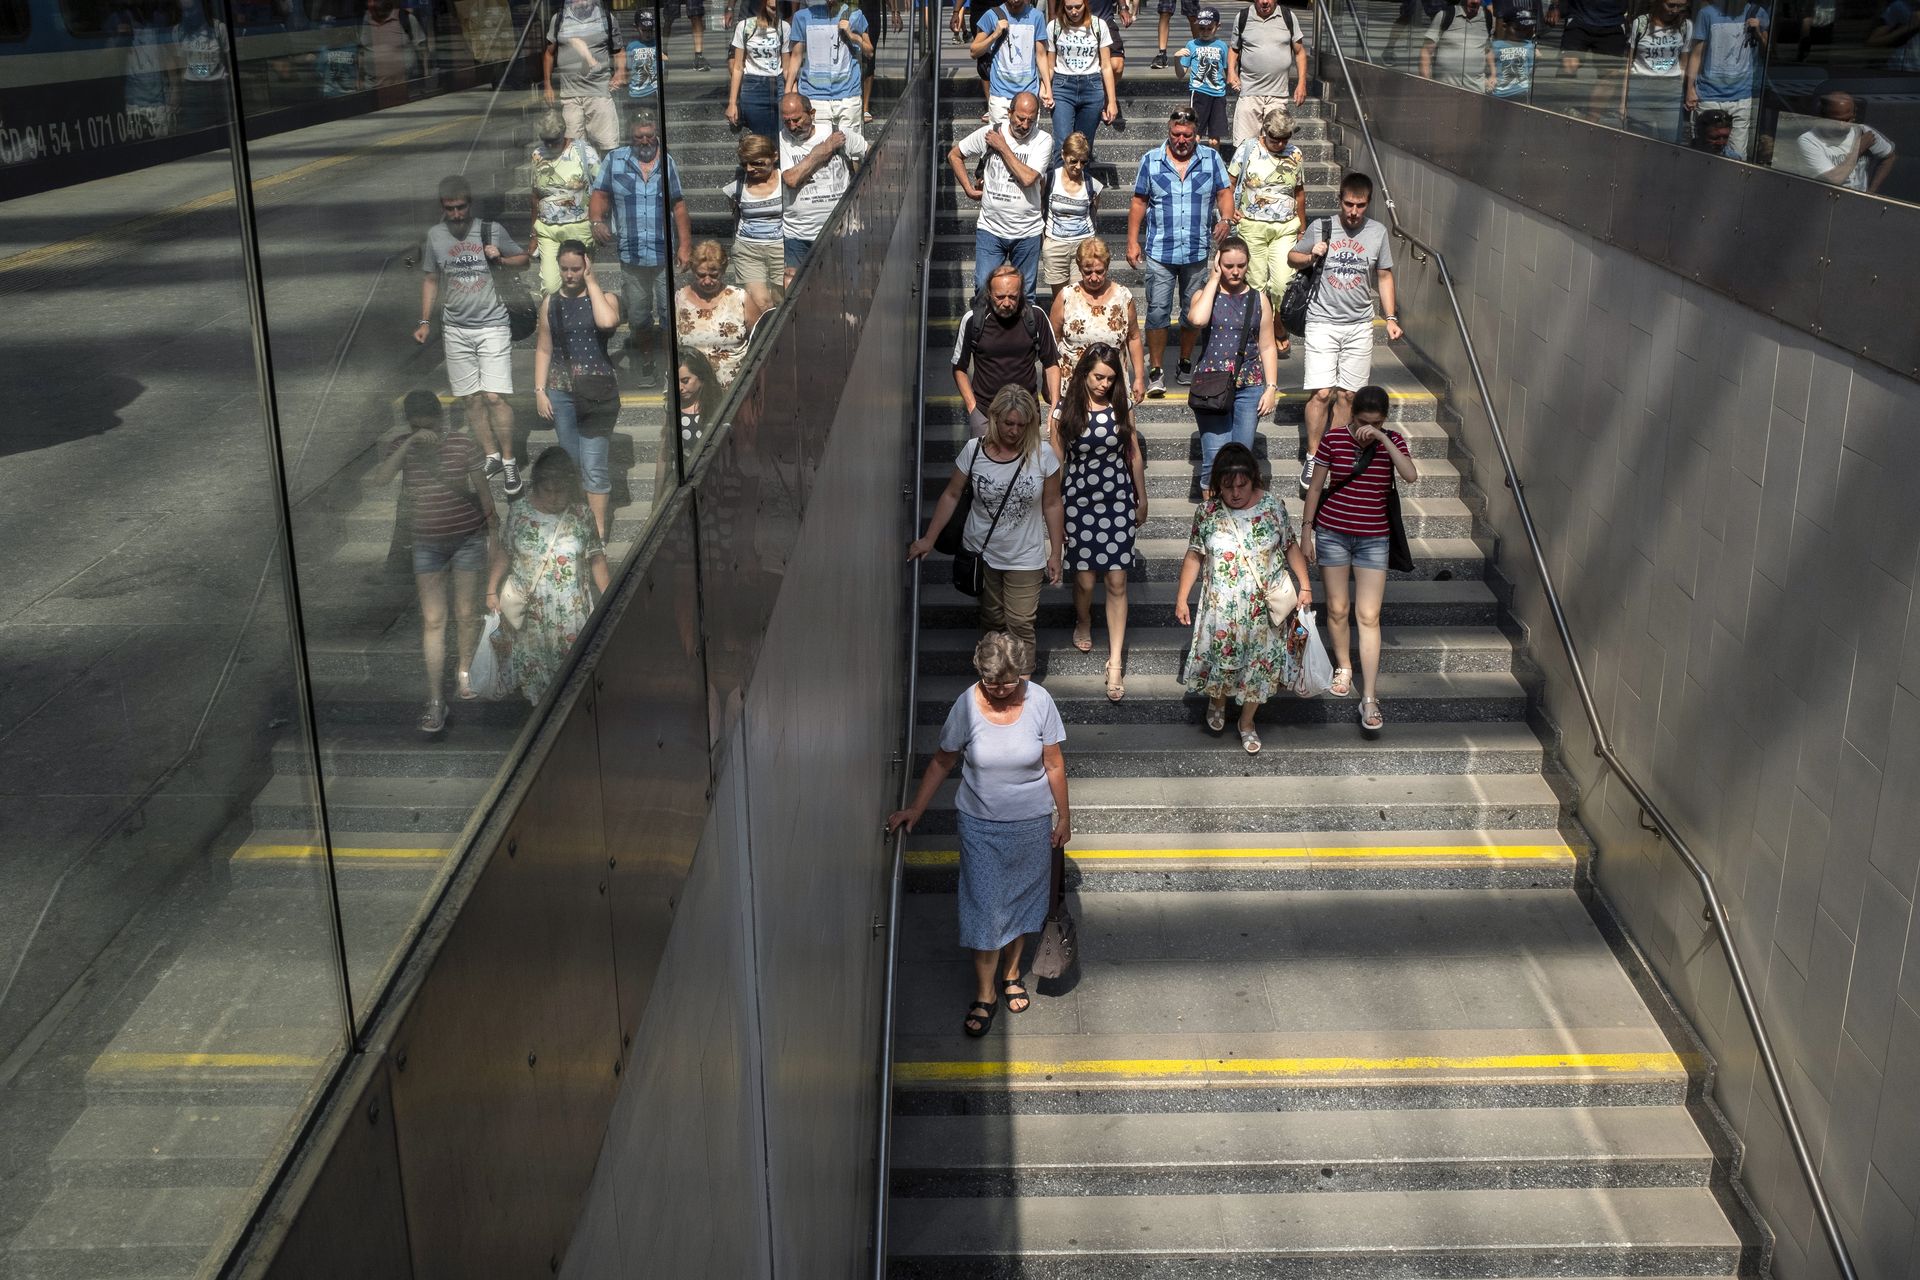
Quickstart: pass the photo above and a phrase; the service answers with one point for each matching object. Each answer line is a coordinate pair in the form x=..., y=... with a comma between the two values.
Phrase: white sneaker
x=1306, y=475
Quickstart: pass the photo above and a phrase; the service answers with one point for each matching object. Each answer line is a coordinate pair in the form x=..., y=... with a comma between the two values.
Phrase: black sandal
x=1013, y=990
x=984, y=1017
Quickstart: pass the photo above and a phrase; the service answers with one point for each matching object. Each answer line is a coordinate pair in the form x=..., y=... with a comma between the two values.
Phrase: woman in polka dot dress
x=1106, y=497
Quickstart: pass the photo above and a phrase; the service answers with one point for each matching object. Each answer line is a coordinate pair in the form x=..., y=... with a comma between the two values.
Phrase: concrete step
x=1276, y=803
x=422, y=804
x=1439, y=478
x=1299, y=1151
x=127, y=1146
x=1162, y=650
x=1150, y=604
x=464, y=750
x=1151, y=862
x=1433, y=558
x=392, y=861
x=1371, y=1234
x=1296, y=750
x=126, y=1233
x=1408, y=404
x=1110, y=222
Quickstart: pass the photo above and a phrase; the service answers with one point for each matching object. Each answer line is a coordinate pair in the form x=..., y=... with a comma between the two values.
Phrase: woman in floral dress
x=1239, y=534
x=1097, y=310
x=552, y=551
x=713, y=317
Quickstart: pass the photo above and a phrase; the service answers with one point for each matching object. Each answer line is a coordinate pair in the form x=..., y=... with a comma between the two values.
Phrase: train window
x=87, y=17
x=15, y=22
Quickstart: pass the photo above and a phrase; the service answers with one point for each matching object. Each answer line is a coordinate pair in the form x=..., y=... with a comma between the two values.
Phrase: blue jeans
x=759, y=105
x=1077, y=103
x=990, y=250
x=588, y=450
x=1216, y=429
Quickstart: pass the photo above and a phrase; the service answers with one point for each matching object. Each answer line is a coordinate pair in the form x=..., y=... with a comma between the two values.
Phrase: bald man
x=816, y=165
x=1012, y=220
x=1835, y=149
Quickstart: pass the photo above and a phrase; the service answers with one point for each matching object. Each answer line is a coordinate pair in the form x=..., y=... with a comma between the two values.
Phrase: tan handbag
x=1283, y=597
x=513, y=596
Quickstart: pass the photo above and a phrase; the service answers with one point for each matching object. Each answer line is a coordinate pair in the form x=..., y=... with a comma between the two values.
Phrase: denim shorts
x=1164, y=281
x=796, y=252
x=1335, y=549
x=436, y=555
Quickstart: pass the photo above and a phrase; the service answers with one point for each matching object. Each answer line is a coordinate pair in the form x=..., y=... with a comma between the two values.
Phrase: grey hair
x=1277, y=123
x=1002, y=656
x=551, y=124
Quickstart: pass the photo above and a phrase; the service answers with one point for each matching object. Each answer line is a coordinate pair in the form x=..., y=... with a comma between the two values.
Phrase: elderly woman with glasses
x=713, y=317
x=1012, y=813
x=1243, y=539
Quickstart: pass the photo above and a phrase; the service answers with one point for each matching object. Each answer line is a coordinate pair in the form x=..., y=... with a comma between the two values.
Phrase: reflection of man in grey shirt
x=585, y=63
x=1458, y=49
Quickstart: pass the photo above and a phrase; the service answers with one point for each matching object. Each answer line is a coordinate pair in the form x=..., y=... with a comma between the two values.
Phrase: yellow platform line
x=147, y=1063
x=1408, y=852
x=1285, y=1068
x=123, y=232
x=302, y=852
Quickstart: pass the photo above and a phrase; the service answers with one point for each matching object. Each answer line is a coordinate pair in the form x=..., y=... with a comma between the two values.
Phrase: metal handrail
x=1603, y=746
x=883, y=1164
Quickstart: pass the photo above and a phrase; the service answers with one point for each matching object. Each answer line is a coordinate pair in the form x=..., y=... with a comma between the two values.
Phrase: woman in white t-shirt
x=754, y=71
x=1018, y=522
x=1656, y=71
x=759, y=252
x=1072, y=203
x=1083, y=93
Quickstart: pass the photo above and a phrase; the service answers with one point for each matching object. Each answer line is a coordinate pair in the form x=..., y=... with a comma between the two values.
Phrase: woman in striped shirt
x=759, y=253
x=1347, y=511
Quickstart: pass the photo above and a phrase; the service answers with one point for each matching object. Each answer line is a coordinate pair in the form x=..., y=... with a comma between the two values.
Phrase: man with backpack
x=1267, y=51
x=1012, y=39
x=1004, y=340
x=1458, y=48
x=1012, y=221
x=393, y=47
x=584, y=63
x=827, y=45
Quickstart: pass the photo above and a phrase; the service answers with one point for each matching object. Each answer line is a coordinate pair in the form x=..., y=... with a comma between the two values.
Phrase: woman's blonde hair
x=709, y=253
x=1001, y=656
x=754, y=146
x=1092, y=249
x=1076, y=147
x=1009, y=401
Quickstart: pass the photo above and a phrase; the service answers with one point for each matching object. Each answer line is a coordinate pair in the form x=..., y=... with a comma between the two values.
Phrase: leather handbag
x=970, y=567
x=1056, y=959
x=1301, y=290
x=1213, y=391
x=951, y=539
x=523, y=313
x=593, y=388
x=1281, y=593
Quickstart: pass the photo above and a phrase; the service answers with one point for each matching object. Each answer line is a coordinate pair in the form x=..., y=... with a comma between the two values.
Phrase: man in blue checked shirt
x=1183, y=200
x=632, y=193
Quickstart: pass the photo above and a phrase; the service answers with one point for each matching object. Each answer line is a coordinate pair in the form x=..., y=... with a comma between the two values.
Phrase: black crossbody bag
x=970, y=567
x=1213, y=391
x=1301, y=290
x=1399, y=551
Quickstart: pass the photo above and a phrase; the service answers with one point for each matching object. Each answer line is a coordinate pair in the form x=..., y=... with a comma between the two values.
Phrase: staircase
x=1345, y=1007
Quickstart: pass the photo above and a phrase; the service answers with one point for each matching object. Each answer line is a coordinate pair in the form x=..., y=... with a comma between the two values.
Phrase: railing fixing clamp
x=1658, y=835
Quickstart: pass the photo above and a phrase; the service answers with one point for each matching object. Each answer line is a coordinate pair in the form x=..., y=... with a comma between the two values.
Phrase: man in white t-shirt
x=1458, y=48
x=1269, y=49
x=1837, y=150
x=816, y=167
x=1012, y=219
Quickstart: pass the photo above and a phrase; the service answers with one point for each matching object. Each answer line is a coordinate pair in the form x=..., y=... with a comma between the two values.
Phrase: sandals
x=1116, y=687
x=1342, y=682
x=434, y=718
x=466, y=689
x=1013, y=989
x=1250, y=739
x=979, y=1019
x=1375, y=721
x=1083, y=637
x=1216, y=716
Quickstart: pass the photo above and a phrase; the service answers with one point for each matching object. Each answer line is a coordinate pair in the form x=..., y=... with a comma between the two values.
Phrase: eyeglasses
x=1181, y=115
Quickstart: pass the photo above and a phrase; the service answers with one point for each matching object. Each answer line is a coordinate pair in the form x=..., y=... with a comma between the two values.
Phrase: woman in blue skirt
x=1012, y=813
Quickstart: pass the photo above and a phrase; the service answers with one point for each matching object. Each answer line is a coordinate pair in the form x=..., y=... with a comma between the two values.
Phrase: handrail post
x=1603, y=746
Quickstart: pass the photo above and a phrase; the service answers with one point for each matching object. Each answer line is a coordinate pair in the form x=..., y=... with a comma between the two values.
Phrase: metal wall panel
x=505, y=1061
x=1805, y=253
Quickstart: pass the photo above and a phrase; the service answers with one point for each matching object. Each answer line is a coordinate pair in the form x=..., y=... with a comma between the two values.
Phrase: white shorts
x=1339, y=355
x=998, y=109
x=479, y=360
x=838, y=113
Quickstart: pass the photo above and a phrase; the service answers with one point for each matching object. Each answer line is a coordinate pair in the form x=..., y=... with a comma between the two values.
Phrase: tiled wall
x=1731, y=514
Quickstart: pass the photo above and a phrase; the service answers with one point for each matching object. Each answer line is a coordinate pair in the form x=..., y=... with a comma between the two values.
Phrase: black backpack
x=982, y=307
x=1294, y=34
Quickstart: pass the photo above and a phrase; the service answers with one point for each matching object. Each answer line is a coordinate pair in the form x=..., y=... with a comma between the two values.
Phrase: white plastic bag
x=1316, y=669
x=487, y=674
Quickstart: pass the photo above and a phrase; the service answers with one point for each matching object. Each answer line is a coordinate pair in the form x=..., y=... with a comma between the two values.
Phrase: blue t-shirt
x=1730, y=67
x=828, y=68
x=643, y=70
x=1512, y=68
x=1206, y=64
x=1015, y=68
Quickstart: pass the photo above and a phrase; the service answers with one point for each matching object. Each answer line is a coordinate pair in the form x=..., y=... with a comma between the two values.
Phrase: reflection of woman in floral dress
x=1239, y=535
x=713, y=317
x=1097, y=310
x=551, y=552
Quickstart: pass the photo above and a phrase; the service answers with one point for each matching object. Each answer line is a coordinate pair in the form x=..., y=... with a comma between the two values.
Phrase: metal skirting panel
x=1838, y=265
x=1725, y=502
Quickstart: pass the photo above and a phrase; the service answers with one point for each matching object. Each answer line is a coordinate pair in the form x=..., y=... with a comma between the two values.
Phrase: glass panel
x=169, y=999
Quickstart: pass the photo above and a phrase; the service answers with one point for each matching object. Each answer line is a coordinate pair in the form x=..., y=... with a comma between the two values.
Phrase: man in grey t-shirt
x=1339, y=338
x=1269, y=50
x=1458, y=48
x=457, y=261
x=584, y=65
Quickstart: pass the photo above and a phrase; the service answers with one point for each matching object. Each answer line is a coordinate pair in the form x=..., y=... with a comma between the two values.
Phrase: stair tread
x=1212, y=1139
x=1412, y=738
x=952, y=640
x=1411, y=843
x=1071, y=687
x=1360, y=1223
x=1385, y=791
x=1168, y=551
x=1469, y=591
x=399, y=792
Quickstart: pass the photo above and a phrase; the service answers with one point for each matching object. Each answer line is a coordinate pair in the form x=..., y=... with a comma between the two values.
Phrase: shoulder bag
x=952, y=538
x=1213, y=391
x=1056, y=959
x=984, y=63
x=591, y=387
x=1302, y=288
x=1399, y=551
x=523, y=314
x=970, y=567
x=1280, y=592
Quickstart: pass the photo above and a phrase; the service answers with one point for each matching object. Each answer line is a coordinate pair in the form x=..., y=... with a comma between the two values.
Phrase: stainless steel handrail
x=883, y=1164
x=1602, y=745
